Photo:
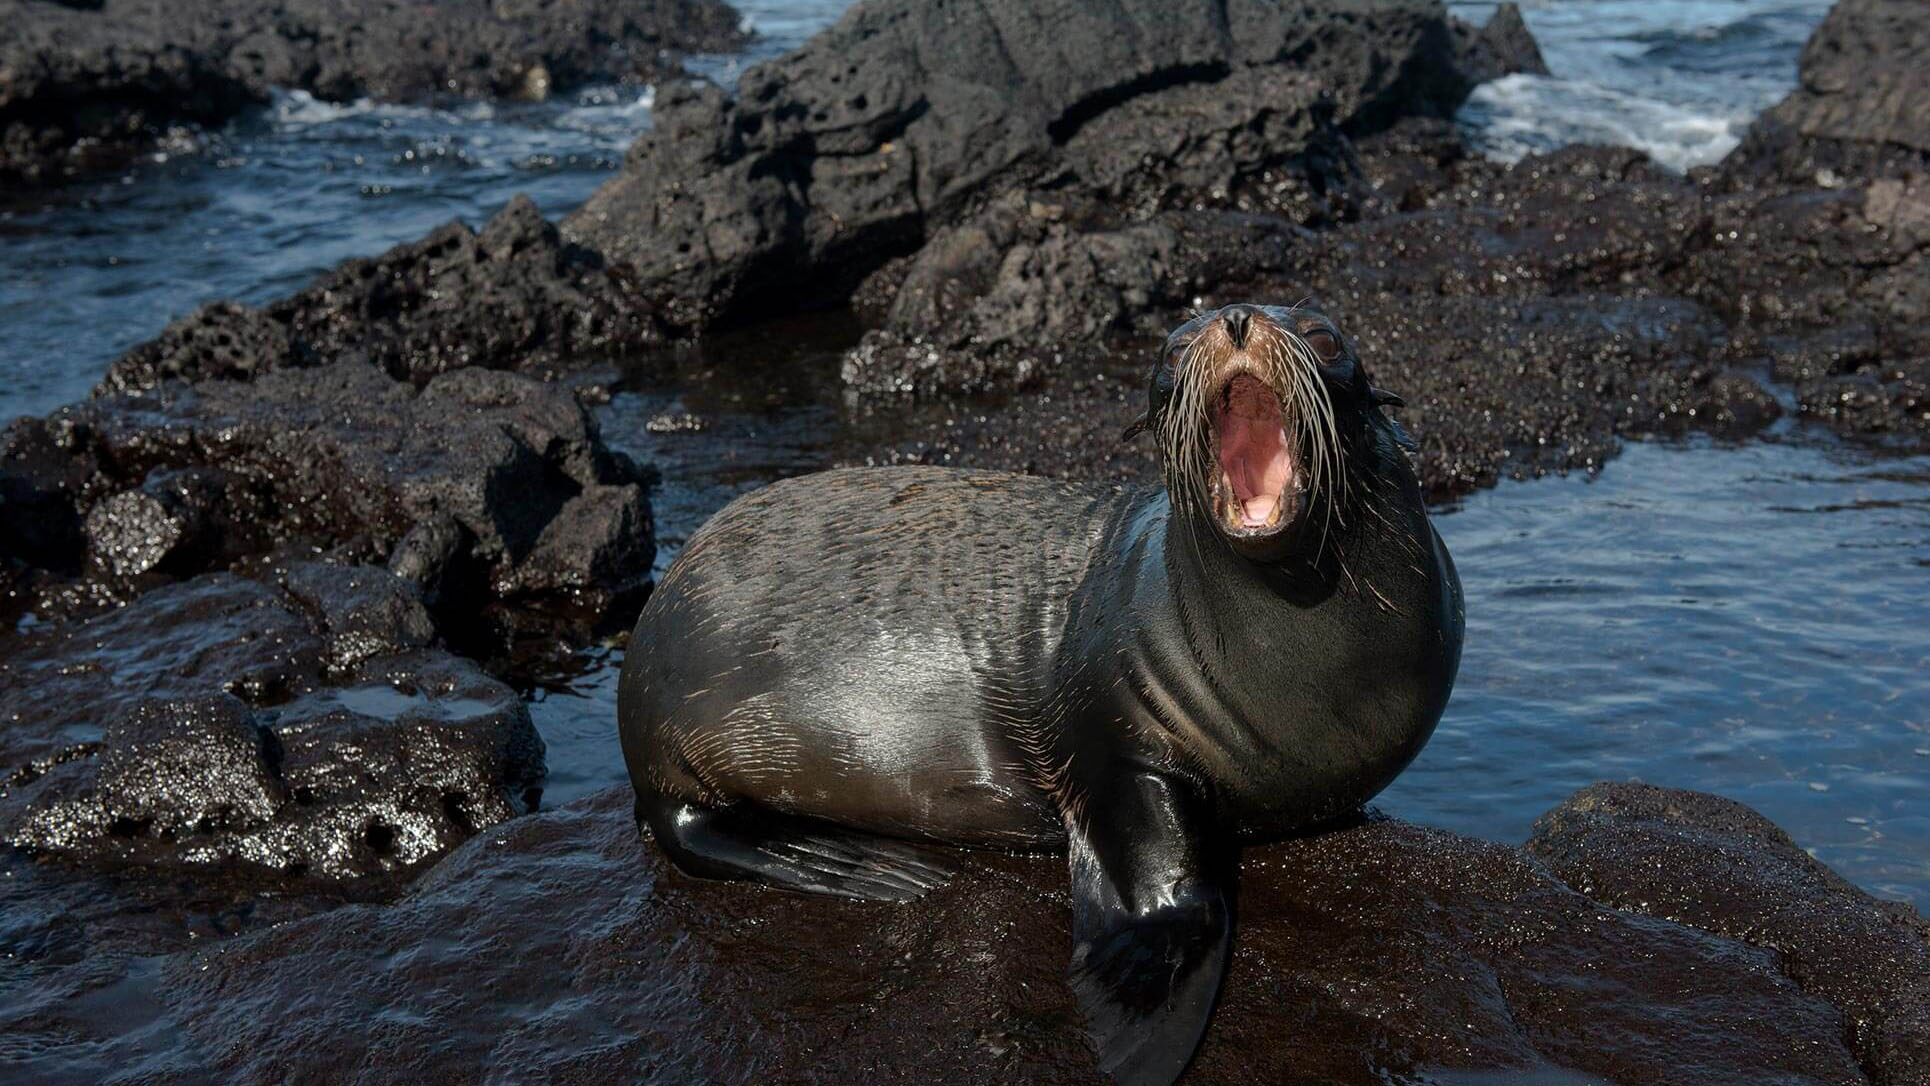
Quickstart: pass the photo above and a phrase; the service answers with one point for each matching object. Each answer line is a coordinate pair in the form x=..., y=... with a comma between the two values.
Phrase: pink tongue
x=1251, y=451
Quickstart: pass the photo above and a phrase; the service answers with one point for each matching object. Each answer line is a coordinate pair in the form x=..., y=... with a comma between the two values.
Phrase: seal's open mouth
x=1257, y=489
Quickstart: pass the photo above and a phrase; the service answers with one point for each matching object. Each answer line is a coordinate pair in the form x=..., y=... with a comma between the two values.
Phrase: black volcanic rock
x=84, y=949
x=514, y=296
x=86, y=85
x=72, y=100
x=894, y=122
x=1859, y=109
x=1714, y=864
x=1367, y=954
x=1832, y=288
x=503, y=479
x=1503, y=46
x=1011, y=292
x=1531, y=315
x=301, y=724
x=1522, y=340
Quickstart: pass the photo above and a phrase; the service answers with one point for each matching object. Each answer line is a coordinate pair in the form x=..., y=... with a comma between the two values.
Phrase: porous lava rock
x=1532, y=315
x=898, y=119
x=1522, y=342
x=484, y=487
x=298, y=724
x=1830, y=291
x=1012, y=292
x=512, y=296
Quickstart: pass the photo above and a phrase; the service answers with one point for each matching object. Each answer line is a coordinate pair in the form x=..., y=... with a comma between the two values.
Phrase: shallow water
x=1751, y=621
x=1746, y=621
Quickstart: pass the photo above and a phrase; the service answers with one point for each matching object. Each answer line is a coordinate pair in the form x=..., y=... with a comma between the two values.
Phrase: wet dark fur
x=982, y=659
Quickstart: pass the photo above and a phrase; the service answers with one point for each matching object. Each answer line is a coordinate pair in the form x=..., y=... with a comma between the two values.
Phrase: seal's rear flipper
x=750, y=844
x=1150, y=926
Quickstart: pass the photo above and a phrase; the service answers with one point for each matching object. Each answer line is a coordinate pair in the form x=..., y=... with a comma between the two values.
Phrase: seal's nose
x=1238, y=320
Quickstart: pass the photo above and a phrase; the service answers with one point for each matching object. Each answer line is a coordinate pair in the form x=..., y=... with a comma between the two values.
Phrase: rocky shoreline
x=263, y=599
x=89, y=85
x=1643, y=935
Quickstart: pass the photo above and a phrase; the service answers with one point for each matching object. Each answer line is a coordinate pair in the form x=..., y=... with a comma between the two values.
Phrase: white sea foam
x=1678, y=79
x=300, y=109
x=620, y=112
x=599, y=121
x=1523, y=114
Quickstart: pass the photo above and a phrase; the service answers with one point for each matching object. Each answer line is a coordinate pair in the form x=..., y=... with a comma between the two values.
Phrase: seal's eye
x=1175, y=351
x=1323, y=342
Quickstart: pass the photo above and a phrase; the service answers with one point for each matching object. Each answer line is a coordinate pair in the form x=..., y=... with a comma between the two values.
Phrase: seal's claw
x=848, y=865
x=747, y=844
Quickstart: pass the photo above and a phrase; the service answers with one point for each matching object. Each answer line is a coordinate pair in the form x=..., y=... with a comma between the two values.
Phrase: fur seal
x=843, y=665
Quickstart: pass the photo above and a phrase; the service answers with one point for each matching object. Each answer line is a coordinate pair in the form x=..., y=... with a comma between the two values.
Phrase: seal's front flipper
x=750, y=844
x=1150, y=923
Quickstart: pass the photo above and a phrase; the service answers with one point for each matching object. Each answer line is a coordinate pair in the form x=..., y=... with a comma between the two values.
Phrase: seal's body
x=1141, y=676
x=872, y=647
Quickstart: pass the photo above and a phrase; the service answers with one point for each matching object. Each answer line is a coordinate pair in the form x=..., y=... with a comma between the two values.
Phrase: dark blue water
x=1748, y=621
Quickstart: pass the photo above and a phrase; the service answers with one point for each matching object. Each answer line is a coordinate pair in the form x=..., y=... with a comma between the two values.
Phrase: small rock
x=221, y=721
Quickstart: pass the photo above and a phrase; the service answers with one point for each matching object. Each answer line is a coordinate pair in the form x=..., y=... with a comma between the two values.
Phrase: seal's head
x=1263, y=414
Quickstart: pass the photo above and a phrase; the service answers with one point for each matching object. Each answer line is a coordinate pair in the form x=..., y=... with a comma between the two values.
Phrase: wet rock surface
x=894, y=122
x=1033, y=285
x=1376, y=952
x=89, y=85
x=484, y=487
x=1533, y=316
x=302, y=724
x=85, y=951
x=1716, y=865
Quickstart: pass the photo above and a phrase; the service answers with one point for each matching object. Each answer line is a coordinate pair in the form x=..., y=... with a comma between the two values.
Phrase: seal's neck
x=1372, y=547
x=1205, y=567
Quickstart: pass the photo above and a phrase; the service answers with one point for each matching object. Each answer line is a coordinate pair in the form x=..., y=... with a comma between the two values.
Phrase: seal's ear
x=1384, y=398
x=1402, y=438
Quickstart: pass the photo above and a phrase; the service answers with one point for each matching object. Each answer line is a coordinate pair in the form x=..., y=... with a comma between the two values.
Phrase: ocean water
x=1749, y=621
x=1679, y=79
x=1752, y=621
